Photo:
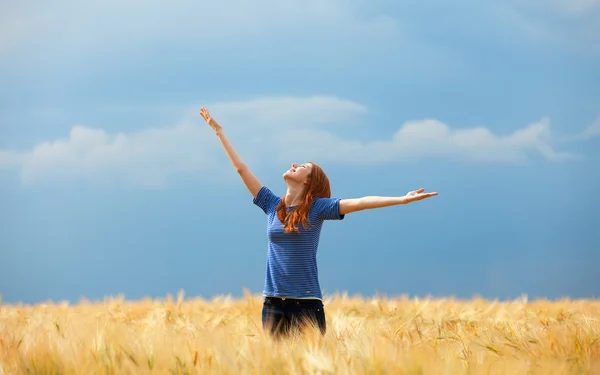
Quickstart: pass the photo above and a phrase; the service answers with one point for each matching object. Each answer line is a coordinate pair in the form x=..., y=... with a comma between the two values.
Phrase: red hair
x=317, y=187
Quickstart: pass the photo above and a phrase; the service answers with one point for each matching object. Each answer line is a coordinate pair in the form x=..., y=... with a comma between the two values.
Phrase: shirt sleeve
x=328, y=209
x=265, y=199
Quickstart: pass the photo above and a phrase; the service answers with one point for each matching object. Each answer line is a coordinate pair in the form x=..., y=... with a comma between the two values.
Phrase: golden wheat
x=364, y=336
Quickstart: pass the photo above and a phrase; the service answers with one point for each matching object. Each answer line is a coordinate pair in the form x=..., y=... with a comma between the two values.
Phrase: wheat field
x=377, y=335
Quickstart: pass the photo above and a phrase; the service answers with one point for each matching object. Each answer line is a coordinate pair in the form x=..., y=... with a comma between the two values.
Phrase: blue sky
x=110, y=182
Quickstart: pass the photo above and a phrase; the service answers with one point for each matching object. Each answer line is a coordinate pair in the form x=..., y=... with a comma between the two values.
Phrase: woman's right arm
x=250, y=180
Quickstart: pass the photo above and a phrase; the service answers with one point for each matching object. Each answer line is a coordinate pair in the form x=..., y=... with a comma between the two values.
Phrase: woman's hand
x=211, y=121
x=417, y=195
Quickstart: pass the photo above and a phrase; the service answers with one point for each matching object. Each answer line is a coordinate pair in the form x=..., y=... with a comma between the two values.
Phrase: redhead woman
x=292, y=293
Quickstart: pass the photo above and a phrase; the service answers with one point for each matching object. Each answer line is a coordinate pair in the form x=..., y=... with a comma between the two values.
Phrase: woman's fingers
x=204, y=113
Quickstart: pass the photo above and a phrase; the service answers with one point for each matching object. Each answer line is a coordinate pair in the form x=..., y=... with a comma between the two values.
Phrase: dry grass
x=373, y=336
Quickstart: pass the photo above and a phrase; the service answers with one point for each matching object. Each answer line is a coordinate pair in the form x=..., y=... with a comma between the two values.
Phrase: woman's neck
x=294, y=195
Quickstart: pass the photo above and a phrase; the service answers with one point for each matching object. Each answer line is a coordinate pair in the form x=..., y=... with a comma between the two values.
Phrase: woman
x=292, y=292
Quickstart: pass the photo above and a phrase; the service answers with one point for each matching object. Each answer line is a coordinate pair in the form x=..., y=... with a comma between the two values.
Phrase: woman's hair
x=317, y=187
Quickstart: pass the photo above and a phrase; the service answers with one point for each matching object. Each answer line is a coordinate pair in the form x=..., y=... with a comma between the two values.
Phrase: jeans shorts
x=283, y=316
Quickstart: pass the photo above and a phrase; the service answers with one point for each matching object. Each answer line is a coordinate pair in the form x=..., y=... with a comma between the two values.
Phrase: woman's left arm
x=366, y=203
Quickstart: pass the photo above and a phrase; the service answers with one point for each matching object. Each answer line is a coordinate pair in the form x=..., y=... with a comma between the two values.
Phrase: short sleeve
x=328, y=209
x=265, y=199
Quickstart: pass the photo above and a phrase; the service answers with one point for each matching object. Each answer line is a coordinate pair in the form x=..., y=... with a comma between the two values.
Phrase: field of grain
x=364, y=336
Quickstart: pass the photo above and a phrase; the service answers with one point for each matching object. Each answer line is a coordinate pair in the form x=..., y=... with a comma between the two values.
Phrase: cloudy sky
x=111, y=183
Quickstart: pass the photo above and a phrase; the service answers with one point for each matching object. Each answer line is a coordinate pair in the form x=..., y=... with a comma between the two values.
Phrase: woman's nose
x=294, y=165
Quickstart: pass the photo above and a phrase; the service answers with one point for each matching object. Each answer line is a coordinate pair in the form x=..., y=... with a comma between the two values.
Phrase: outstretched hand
x=208, y=118
x=417, y=195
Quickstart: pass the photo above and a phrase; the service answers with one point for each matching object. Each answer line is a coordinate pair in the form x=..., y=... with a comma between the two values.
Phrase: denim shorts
x=284, y=316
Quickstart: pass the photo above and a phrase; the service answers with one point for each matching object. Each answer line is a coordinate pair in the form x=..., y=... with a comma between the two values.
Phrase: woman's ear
x=307, y=181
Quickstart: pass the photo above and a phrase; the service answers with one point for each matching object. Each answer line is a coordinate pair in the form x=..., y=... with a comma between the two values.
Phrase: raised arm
x=250, y=180
x=366, y=203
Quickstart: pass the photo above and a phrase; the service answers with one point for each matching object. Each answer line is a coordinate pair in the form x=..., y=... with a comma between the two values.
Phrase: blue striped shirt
x=292, y=257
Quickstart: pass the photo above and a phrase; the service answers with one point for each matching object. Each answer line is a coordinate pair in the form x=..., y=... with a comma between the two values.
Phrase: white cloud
x=424, y=139
x=147, y=157
x=315, y=110
x=592, y=131
x=270, y=130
